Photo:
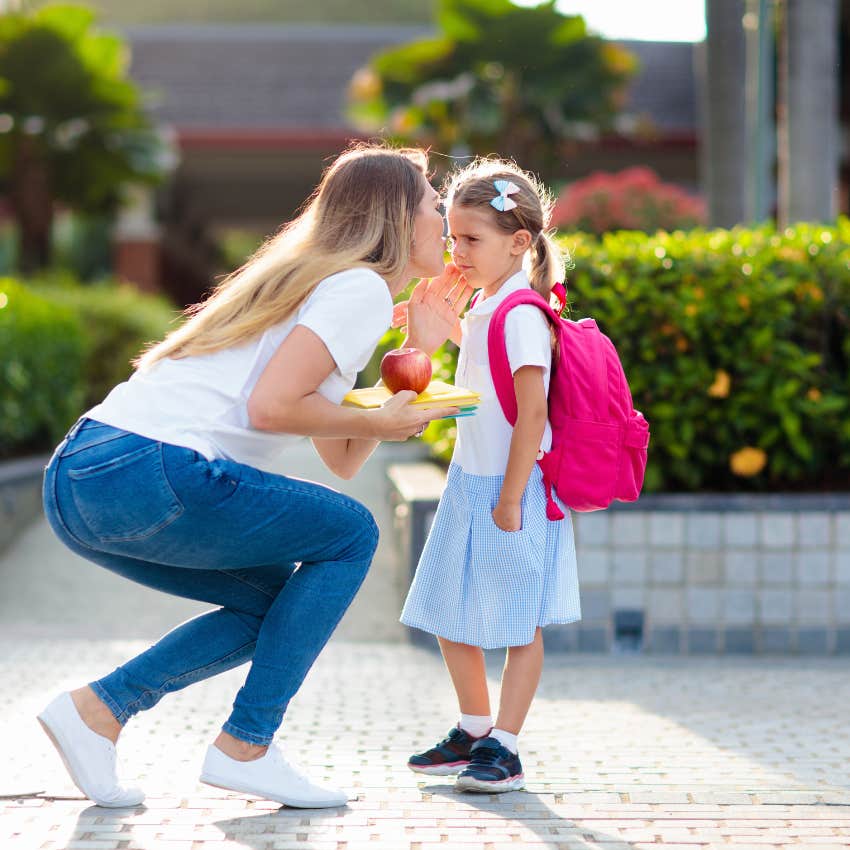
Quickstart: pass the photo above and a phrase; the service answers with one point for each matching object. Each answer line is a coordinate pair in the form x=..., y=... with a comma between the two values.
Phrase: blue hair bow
x=502, y=202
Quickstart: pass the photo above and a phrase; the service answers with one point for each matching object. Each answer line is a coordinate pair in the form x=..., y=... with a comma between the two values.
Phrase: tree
x=498, y=77
x=72, y=129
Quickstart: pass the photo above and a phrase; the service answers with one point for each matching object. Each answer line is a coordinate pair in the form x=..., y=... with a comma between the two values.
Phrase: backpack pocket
x=632, y=466
x=583, y=467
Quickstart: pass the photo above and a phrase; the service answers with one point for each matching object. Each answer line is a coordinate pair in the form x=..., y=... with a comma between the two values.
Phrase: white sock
x=476, y=725
x=507, y=739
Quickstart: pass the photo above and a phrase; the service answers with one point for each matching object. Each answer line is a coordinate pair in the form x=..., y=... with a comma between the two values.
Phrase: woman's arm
x=344, y=457
x=285, y=399
x=432, y=315
x=532, y=412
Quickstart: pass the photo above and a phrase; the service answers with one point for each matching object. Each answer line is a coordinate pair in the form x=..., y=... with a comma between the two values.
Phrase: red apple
x=406, y=369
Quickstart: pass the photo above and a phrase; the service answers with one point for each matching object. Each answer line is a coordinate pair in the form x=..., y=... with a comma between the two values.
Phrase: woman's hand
x=432, y=314
x=508, y=515
x=396, y=419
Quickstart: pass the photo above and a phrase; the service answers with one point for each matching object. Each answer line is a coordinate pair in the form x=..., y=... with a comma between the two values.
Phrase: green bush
x=63, y=347
x=117, y=320
x=42, y=357
x=736, y=345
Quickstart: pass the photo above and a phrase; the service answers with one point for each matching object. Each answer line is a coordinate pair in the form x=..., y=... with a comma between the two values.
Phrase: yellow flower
x=721, y=385
x=813, y=394
x=365, y=84
x=748, y=461
x=691, y=310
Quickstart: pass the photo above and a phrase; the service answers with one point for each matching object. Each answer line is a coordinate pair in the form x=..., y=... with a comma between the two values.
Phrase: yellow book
x=437, y=394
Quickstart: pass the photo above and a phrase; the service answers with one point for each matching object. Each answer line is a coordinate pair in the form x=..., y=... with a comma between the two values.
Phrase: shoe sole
x=293, y=802
x=448, y=769
x=72, y=773
x=470, y=783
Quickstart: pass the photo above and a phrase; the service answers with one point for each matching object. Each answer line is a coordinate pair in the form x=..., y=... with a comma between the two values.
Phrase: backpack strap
x=500, y=367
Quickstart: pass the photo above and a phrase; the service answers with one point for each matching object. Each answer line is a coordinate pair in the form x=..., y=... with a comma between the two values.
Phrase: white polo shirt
x=201, y=402
x=484, y=440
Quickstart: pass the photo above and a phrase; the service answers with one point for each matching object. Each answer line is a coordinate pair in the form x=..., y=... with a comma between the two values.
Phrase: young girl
x=494, y=569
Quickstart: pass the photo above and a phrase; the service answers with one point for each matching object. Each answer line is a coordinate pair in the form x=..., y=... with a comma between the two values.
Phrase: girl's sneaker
x=451, y=755
x=492, y=768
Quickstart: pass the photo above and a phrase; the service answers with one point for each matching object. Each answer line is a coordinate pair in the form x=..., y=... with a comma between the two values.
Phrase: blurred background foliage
x=632, y=199
x=73, y=129
x=63, y=347
x=520, y=80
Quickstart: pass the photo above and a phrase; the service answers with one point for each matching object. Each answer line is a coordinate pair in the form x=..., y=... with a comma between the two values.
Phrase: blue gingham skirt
x=479, y=585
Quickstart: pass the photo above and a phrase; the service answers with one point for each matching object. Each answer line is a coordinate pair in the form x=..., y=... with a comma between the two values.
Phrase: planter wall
x=695, y=573
x=20, y=496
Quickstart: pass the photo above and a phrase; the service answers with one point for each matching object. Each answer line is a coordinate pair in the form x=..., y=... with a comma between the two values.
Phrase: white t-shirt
x=484, y=440
x=201, y=402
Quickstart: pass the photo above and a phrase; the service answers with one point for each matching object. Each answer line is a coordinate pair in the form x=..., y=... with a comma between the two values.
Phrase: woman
x=168, y=483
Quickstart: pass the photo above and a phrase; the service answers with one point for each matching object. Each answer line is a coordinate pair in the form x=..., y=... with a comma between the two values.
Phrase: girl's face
x=426, y=255
x=486, y=255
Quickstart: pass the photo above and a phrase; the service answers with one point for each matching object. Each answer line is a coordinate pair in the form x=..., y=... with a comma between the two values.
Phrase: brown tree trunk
x=33, y=206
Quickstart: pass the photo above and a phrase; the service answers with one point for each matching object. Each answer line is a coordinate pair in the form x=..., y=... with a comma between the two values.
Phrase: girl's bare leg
x=465, y=664
x=519, y=683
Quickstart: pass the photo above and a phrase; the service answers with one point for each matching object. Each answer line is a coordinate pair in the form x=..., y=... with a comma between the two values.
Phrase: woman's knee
x=361, y=534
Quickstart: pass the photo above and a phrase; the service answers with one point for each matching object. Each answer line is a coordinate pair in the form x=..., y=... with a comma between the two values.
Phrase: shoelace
x=449, y=738
x=484, y=755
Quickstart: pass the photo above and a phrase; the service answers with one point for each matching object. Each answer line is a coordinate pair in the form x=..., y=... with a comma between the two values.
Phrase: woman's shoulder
x=354, y=277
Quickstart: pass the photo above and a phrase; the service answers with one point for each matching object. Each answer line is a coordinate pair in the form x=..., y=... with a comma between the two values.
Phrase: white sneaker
x=271, y=777
x=90, y=758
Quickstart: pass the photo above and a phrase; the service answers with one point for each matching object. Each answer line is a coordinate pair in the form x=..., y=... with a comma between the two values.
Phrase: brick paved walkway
x=620, y=752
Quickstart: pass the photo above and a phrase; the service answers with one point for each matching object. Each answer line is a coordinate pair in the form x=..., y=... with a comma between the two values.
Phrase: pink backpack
x=599, y=440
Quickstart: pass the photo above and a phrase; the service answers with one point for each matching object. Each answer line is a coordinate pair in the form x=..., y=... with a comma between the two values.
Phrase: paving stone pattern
x=619, y=751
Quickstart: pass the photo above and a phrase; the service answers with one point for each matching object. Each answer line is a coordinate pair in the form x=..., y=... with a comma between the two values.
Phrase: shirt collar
x=488, y=306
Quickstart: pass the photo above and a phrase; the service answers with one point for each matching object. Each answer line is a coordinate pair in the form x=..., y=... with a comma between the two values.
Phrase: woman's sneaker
x=492, y=768
x=451, y=755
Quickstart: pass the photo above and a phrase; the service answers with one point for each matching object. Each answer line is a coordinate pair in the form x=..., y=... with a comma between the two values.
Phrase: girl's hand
x=396, y=419
x=508, y=516
x=432, y=314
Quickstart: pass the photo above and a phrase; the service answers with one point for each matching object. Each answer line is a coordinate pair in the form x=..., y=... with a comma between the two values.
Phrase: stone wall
x=717, y=574
x=20, y=496
x=695, y=574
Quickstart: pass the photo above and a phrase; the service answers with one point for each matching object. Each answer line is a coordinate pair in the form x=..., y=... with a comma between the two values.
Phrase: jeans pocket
x=127, y=497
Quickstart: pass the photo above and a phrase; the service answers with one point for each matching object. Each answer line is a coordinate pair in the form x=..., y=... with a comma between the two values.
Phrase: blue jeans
x=281, y=556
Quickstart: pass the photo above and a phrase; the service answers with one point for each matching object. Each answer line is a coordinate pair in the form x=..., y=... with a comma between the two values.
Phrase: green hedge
x=118, y=321
x=42, y=355
x=63, y=346
x=736, y=345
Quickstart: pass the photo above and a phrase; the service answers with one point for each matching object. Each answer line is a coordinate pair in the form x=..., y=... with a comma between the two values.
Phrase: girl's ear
x=521, y=242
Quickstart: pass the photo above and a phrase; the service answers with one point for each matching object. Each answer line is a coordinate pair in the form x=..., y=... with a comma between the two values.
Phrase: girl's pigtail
x=547, y=264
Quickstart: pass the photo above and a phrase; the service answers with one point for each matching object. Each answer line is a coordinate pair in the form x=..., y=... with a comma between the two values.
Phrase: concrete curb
x=20, y=495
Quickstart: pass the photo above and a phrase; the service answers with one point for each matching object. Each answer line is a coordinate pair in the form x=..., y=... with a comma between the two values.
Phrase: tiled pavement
x=619, y=751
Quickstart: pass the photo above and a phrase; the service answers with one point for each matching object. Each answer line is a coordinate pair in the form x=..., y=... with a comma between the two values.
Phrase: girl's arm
x=532, y=412
x=285, y=399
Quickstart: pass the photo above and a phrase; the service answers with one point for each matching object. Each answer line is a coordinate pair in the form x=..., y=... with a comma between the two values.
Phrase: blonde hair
x=473, y=186
x=361, y=215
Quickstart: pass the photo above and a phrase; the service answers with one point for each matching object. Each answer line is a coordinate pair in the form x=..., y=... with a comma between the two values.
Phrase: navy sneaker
x=492, y=768
x=451, y=755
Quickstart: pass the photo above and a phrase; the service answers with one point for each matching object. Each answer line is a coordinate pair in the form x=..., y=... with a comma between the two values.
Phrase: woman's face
x=426, y=256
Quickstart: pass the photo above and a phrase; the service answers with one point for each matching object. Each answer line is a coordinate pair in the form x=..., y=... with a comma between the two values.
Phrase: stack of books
x=437, y=394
